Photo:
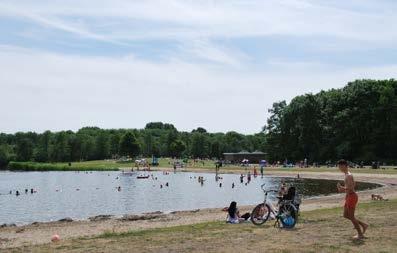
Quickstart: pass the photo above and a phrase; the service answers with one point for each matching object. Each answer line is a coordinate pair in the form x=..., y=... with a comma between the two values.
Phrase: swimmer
x=17, y=193
x=166, y=184
x=31, y=191
x=26, y=191
x=232, y=185
x=220, y=184
x=119, y=188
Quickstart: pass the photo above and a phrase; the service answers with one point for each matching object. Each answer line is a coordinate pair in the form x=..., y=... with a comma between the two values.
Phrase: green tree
x=129, y=145
x=102, y=145
x=199, y=146
x=114, y=144
x=177, y=147
x=61, y=149
x=234, y=142
x=5, y=155
x=24, y=149
x=42, y=152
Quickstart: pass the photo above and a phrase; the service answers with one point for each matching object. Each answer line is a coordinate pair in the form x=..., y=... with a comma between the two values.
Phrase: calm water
x=57, y=195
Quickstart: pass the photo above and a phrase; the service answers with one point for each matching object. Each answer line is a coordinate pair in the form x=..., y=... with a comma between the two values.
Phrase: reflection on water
x=81, y=195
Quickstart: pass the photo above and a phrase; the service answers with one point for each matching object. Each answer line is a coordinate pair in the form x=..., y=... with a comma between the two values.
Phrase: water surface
x=81, y=195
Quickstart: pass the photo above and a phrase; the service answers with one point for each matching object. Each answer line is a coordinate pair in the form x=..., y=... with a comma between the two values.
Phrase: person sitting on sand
x=233, y=214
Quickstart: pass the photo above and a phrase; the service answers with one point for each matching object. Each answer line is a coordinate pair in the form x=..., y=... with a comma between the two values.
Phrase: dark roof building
x=252, y=157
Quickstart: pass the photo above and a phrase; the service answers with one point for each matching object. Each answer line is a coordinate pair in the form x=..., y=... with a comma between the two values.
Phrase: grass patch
x=75, y=166
x=317, y=231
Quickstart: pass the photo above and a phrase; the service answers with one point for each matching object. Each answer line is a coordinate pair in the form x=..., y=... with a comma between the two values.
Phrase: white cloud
x=209, y=19
x=203, y=81
x=205, y=50
x=52, y=91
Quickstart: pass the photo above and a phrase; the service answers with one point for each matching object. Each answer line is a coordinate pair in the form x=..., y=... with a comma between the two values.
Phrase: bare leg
x=349, y=214
x=363, y=225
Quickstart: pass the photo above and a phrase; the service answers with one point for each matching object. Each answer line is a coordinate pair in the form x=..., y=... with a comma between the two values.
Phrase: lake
x=80, y=195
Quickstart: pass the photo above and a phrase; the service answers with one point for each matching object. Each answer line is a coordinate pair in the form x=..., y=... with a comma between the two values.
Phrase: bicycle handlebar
x=263, y=189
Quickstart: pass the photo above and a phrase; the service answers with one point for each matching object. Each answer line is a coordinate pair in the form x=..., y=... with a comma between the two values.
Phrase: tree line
x=92, y=143
x=357, y=122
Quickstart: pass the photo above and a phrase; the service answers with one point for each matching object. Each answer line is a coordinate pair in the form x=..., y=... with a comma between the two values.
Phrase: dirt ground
x=25, y=237
x=321, y=230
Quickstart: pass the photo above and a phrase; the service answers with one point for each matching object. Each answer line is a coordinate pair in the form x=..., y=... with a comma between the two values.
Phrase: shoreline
x=106, y=216
x=41, y=232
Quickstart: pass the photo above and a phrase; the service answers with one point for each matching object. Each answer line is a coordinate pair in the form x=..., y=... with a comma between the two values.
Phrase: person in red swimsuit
x=351, y=200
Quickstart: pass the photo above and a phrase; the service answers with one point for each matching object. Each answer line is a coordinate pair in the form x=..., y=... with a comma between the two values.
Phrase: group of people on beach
x=234, y=216
x=351, y=200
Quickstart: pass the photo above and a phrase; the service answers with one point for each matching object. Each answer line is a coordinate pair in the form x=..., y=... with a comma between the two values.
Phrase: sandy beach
x=41, y=233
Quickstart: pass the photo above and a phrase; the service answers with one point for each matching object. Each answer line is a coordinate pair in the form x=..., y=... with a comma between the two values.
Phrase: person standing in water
x=350, y=200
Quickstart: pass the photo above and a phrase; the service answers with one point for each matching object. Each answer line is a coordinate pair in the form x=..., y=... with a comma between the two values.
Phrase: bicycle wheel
x=288, y=215
x=260, y=214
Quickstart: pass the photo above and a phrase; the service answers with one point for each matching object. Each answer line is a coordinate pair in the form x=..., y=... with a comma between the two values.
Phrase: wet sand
x=41, y=232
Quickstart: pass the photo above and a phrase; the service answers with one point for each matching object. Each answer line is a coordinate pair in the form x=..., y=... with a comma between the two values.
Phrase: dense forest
x=92, y=143
x=357, y=122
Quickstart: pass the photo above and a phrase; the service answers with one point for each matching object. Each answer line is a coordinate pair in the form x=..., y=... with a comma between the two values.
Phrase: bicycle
x=287, y=212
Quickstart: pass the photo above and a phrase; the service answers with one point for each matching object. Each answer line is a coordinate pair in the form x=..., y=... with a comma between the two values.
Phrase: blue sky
x=215, y=64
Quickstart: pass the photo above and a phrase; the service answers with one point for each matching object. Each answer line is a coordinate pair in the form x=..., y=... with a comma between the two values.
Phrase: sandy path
x=41, y=233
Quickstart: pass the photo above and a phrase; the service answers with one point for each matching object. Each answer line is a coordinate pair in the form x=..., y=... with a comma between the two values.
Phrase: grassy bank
x=167, y=163
x=210, y=166
x=318, y=231
x=75, y=166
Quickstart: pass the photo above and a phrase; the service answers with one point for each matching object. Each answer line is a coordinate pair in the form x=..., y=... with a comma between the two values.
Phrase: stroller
x=289, y=208
x=292, y=196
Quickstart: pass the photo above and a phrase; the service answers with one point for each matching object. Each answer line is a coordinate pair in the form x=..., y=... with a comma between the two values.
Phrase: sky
x=217, y=64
